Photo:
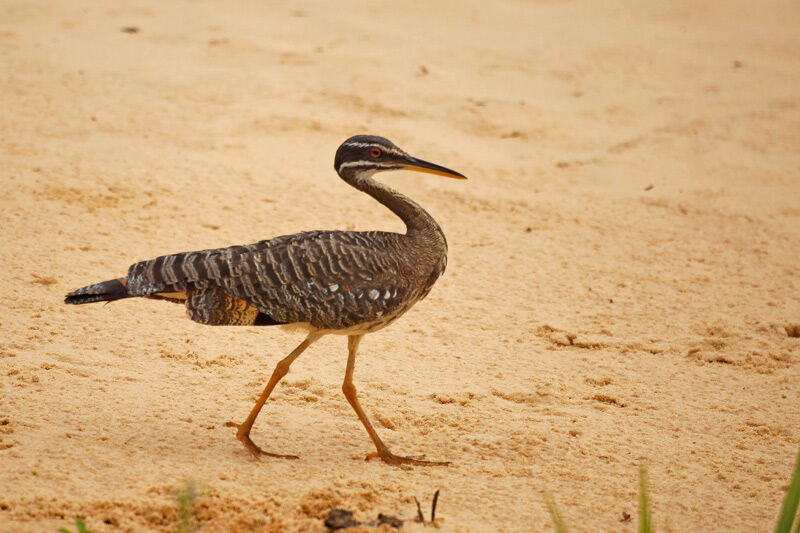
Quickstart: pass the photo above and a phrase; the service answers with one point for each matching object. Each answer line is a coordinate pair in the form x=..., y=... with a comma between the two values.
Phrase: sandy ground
x=622, y=285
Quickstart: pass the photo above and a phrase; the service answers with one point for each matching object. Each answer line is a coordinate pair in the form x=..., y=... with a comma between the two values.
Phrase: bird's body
x=341, y=282
x=335, y=281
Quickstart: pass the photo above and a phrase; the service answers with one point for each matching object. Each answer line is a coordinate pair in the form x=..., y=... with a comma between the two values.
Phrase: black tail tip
x=106, y=291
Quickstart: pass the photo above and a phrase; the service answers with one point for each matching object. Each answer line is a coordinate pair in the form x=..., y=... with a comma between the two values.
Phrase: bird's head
x=362, y=155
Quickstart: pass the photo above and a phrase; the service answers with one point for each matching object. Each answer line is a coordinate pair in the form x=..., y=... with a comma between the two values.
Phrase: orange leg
x=281, y=369
x=350, y=393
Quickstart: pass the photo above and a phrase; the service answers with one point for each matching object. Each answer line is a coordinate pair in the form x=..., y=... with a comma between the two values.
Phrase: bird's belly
x=357, y=329
x=305, y=327
x=361, y=328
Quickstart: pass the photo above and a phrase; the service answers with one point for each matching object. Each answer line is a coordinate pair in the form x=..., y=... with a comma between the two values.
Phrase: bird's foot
x=388, y=457
x=254, y=450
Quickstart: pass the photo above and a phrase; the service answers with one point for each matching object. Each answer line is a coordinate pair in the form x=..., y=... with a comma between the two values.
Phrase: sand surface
x=623, y=278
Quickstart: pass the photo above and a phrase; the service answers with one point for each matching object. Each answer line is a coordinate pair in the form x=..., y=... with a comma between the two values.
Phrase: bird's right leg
x=281, y=369
x=350, y=393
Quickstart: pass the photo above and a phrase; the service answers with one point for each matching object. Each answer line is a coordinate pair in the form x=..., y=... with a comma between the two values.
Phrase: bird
x=323, y=282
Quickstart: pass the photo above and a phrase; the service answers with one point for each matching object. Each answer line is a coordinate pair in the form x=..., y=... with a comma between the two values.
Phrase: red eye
x=375, y=152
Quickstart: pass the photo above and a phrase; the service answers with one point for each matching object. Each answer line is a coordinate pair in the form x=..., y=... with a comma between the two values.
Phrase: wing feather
x=332, y=279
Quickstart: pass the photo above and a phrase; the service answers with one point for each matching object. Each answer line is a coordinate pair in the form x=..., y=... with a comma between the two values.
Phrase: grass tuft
x=788, y=517
x=186, y=497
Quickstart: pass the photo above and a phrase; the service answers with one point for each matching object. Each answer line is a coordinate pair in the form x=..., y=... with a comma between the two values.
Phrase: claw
x=389, y=457
x=251, y=446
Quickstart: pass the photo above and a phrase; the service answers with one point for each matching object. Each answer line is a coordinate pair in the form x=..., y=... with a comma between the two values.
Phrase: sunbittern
x=344, y=282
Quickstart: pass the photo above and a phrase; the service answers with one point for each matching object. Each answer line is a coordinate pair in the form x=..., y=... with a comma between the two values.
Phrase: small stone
x=390, y=520
x=340, y=519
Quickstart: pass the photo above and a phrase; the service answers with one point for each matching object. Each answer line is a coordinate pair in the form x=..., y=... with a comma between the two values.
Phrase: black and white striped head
x=362, y=155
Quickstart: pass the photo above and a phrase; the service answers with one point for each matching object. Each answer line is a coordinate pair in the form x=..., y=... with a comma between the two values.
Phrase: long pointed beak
x=412, y=163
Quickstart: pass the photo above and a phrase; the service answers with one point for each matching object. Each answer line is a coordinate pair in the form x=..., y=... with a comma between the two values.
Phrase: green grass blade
x=555, y=515
x=644, y=501
x=186, y=498
x=790, y=503
x=81, y=526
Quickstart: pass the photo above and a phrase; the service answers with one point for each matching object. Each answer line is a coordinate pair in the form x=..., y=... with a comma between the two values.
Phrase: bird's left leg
x=350, y=393
x=281, y=369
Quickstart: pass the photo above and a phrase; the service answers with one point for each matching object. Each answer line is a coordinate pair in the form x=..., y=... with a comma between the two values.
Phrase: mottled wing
x=182, y=272
x=328, y=278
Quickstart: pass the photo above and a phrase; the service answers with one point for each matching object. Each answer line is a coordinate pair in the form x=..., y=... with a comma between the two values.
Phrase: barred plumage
x=329, y=281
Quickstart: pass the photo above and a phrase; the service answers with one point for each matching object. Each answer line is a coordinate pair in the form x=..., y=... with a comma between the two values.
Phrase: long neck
x=418, y=222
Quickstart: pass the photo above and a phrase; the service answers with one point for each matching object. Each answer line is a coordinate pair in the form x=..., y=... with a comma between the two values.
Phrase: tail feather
x=106, y=291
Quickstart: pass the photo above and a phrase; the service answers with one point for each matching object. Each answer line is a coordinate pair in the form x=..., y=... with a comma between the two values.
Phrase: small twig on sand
x=433, y=505
x=419, y=511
